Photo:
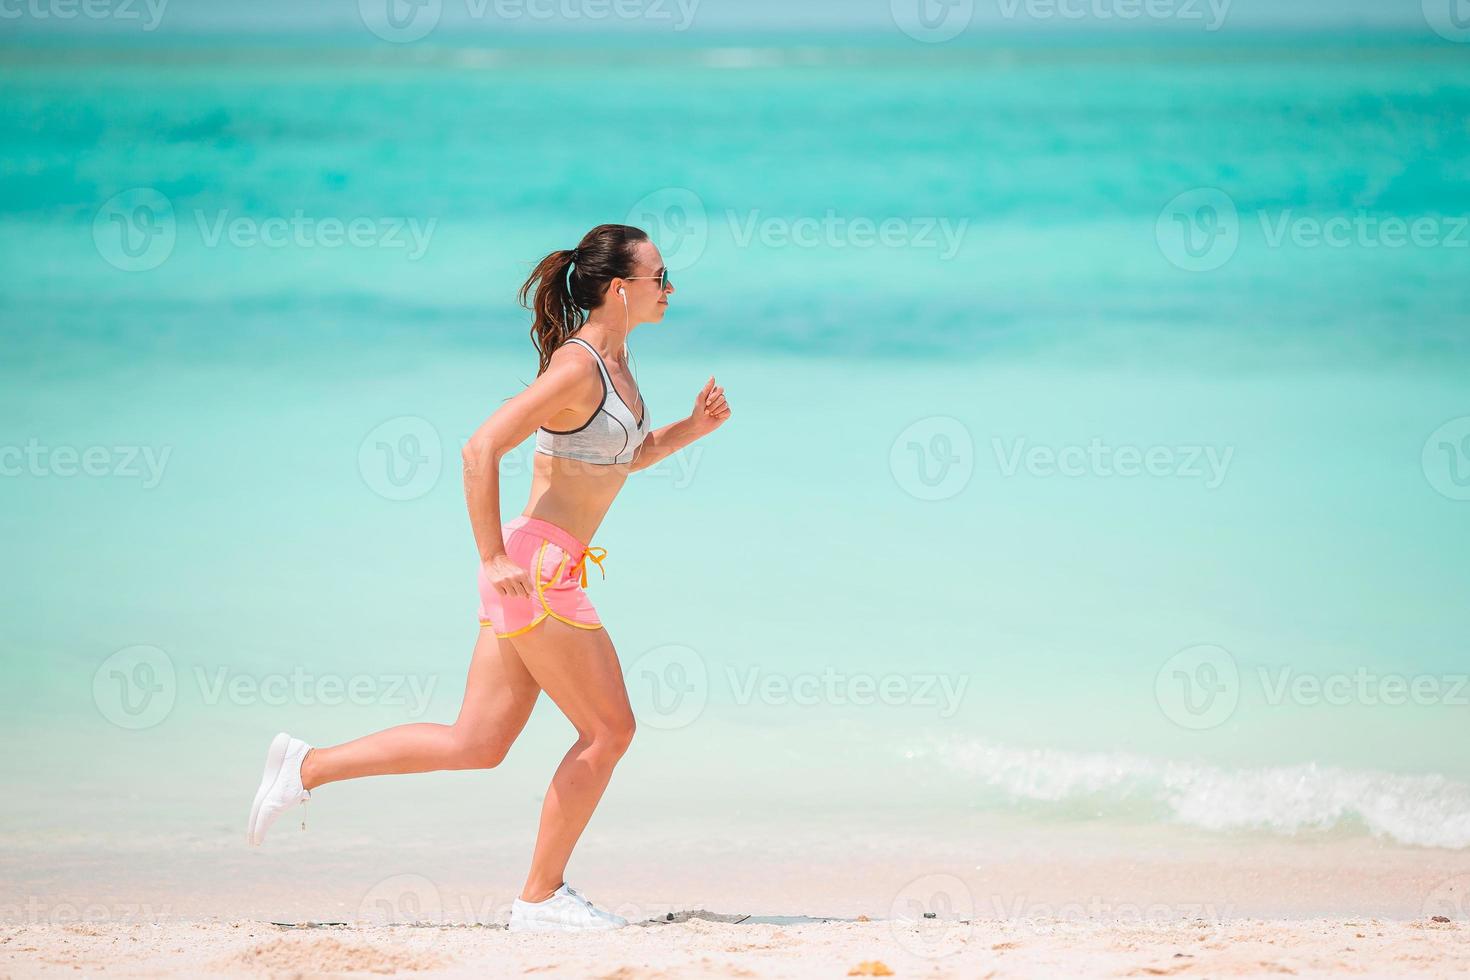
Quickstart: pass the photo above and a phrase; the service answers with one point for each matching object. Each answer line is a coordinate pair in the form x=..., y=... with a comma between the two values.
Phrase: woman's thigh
x=499, y=692
x=579, y=670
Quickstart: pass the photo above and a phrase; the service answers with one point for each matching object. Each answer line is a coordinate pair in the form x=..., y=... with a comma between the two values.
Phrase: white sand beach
x=701, y=948
x=1223, y=908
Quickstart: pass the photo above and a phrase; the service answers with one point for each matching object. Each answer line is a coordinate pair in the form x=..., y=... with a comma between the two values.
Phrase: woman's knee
x=476, y=751
x=611, y=740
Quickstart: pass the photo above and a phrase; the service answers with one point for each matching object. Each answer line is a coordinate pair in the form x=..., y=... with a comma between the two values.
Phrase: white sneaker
x=564, y=911
x=280, y=786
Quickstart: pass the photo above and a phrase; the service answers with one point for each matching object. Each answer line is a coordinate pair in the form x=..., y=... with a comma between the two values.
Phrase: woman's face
x=647, y=303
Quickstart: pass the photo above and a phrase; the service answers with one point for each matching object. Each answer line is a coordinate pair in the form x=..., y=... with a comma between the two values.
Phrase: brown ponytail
x=571, y=281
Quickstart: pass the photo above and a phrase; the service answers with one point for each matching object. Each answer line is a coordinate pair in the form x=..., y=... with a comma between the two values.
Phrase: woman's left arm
x=710, y=412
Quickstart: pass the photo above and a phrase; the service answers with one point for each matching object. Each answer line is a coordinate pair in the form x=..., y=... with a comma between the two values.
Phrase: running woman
x=538, y=629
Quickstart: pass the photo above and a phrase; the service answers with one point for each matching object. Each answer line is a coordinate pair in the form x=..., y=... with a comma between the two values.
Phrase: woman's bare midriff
x=573, y=495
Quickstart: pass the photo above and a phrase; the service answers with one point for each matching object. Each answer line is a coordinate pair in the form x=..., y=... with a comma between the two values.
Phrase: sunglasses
x=662, y=277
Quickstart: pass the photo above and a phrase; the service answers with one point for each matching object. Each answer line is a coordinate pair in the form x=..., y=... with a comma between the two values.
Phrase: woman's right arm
x=566, y=383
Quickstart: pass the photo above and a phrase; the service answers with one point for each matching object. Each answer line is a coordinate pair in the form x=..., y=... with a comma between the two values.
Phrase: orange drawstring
x=581, y=565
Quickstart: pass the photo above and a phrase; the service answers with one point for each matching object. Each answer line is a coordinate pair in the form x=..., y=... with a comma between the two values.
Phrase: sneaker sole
x=275, y=758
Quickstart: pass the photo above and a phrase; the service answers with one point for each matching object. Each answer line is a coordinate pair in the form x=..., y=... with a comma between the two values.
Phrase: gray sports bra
x=612, y=435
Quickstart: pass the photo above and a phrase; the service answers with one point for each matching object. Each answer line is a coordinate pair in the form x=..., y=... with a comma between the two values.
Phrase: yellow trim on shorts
x=541, y=596
x=541, y=593
x=484, y=623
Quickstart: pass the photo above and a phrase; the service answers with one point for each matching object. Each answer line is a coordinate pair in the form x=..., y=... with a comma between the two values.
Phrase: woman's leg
x=498, y=697
x=579, y=670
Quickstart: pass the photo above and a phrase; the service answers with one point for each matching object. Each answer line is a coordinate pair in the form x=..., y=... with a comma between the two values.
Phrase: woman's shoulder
x=575, y=363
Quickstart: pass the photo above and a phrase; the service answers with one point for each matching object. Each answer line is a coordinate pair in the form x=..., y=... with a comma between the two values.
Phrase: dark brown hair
x=571, y=281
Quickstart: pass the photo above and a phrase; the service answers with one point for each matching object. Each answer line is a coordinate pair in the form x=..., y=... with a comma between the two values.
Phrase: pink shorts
x=556, y=563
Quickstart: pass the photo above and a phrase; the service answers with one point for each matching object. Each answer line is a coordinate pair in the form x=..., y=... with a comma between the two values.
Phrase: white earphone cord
x=626, y=328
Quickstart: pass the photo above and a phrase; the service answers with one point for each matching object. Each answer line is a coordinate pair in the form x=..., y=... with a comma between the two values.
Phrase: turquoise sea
x=1100, y=456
